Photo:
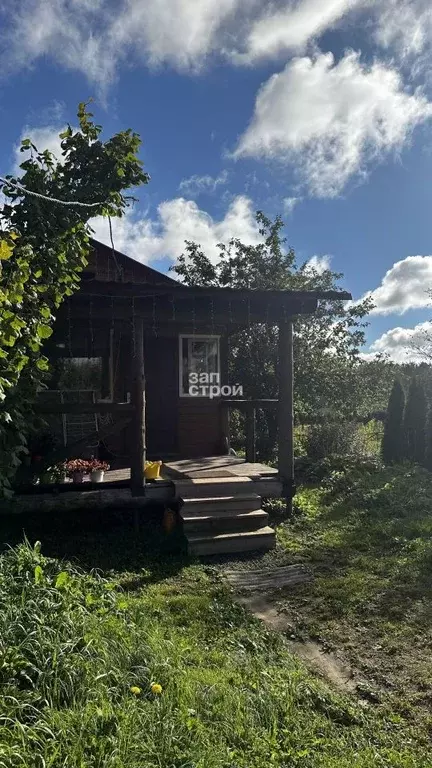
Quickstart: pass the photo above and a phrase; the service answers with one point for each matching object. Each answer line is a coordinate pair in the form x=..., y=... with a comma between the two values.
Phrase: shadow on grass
x=367, y=563
x=106, y=540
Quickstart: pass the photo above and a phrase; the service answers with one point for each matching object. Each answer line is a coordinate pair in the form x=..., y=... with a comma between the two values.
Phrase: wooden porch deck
x=209, y=474
x=214, y=480
x=209, y=467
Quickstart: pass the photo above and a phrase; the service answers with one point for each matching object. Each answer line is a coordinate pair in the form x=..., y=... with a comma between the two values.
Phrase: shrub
x=331, y=439
x=428, y=441
x=392, y=449
x=414, y=423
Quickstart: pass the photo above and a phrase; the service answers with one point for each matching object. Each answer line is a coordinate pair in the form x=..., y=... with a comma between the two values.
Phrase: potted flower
x=76, y=469
x=97, y=470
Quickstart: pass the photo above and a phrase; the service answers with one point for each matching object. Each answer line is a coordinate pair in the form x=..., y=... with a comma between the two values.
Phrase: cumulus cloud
x=97, y=37
x=406, y=285
x=194, y=185
x=404, y=345
x=292, y=26
x=318, y=264
x=46, y=137
x=177, y=220
x=331, y=119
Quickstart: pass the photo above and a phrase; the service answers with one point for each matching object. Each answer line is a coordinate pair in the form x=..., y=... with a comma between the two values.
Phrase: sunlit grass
x=79, y=657
x=367, y=535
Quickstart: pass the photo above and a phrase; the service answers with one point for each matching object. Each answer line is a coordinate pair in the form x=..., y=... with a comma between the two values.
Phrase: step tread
x=228, y=480
x=265, y=531
x=221, y=499
x=222, y=514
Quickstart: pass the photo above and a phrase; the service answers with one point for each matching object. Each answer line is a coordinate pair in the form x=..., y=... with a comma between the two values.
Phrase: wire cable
x=20, y=188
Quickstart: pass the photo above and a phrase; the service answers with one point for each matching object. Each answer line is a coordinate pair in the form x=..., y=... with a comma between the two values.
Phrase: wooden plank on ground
x=269, y=579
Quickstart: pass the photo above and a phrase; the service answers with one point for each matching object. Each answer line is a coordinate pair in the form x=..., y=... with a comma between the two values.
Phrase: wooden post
x=250, y=435
x=286, y=411
x=224, y=410
x=138, y=448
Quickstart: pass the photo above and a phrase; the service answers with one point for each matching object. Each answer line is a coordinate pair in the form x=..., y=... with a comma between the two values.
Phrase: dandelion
x=135, y=690
x=156, y=688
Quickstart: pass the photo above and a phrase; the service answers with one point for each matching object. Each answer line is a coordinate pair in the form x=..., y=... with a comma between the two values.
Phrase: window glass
x=200, y=356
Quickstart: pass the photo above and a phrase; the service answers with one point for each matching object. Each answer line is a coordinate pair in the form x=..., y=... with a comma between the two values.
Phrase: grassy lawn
x=368, y=538
x=74, y=643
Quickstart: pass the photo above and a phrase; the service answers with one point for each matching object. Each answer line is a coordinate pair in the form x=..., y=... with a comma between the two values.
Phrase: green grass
x=73, y=643
x=367, y=535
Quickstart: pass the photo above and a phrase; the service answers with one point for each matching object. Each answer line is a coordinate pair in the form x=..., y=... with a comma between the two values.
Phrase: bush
x=392, y=449
x=414, y=422
x=343, y=439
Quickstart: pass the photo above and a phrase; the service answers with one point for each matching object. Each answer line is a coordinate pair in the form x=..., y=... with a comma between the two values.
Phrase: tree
x=326, y=345
x=414, y=422
x=392, y=448
x=428, y=441
x=43, y=248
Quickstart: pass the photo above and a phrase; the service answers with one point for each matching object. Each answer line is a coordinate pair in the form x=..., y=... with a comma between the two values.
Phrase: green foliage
x=428, y=441
x=340, y=439
x=79, y=652
x=414, y=422
x=393, y=438
x=43, y=248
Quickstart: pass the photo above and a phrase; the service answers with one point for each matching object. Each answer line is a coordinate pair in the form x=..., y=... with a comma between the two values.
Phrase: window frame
x=198, y=337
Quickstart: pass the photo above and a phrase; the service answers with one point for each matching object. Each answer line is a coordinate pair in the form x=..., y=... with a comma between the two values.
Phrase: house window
x=199, y=361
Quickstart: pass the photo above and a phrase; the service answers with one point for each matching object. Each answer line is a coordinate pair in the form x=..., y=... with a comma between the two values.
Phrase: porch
x=218, y=500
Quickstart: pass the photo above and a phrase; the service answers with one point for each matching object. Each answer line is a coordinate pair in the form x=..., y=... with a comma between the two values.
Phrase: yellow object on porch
x=152, y=470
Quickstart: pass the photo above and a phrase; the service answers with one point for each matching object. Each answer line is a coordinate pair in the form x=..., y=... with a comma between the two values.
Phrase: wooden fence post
x=138, y=448
x=286, y=411
x=251, y=435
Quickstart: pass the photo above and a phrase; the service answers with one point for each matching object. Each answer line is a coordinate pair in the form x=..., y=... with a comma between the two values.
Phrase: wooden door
x=161, y=374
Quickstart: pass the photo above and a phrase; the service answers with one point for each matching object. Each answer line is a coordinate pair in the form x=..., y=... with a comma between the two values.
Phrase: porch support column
x=286, y=411
x=138, y=449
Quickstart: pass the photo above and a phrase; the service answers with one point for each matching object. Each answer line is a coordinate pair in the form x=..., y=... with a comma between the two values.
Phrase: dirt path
x=256, y=590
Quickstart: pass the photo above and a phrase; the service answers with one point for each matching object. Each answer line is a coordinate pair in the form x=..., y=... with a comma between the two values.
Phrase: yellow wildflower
x=156, y=688
x=135, y=690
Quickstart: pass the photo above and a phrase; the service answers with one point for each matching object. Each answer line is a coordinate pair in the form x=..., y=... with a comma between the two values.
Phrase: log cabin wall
x=184, y=427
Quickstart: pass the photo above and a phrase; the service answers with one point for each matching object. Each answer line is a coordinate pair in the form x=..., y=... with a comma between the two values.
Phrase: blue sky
x=316, y=109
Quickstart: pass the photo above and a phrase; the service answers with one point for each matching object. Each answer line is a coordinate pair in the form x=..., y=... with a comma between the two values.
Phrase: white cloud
x=178, y=220
x=46, y=137
x=404, y=345
x=289, y=203
x=75, y=33
x=181, y=32
x=405, y=25
x=318, y=264
x=406, y=285
x=194, y=185
x=330, y=120
x=96, y=36
x=291, y=27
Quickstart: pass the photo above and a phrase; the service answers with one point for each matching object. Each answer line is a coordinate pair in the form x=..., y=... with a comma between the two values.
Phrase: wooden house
x=162, y=351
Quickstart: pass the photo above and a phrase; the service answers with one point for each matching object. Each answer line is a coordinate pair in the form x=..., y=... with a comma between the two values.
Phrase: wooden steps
x=223, y=486
x=221, y=524
x=243, y=541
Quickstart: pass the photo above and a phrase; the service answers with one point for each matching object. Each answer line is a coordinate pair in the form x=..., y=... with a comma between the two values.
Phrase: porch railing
x=249, y=408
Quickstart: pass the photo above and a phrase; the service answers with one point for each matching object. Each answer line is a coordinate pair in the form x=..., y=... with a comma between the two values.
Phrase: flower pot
x=77, y=477
x=97, y=475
